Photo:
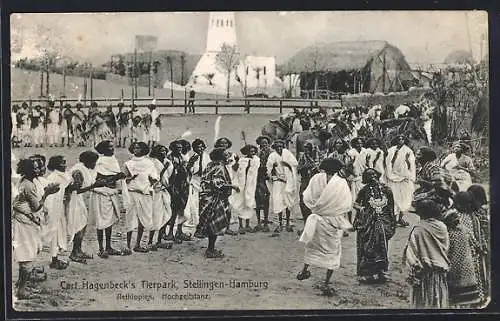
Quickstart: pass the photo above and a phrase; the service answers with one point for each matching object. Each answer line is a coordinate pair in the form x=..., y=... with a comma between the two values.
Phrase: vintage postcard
x=250, y=160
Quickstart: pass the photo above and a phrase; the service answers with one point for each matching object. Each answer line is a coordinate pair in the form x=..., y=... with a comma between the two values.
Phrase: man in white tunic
x=373, y=157
x=282, y=171
x=55, y=233
x=162, y=211
x=104, y=204
x=53, y=127
x=197, y=163
x=329, y=198
x=356, y=171
x=84, y=179
x=154, y=129
x=243, y=202
x=401, y=171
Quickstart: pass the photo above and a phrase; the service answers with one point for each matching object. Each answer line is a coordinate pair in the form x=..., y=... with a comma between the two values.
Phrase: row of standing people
x=66, y=125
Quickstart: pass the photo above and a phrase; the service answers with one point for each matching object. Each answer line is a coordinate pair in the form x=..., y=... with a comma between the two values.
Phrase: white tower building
x=221, y=29
x=256, y=74
x=206, y=75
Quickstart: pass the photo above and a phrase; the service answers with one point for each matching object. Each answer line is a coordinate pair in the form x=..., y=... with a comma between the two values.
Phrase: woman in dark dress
x=375, y=224
x=214, y=200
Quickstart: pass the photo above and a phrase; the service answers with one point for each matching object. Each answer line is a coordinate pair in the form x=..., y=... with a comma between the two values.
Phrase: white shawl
x=327, y=200
x=247, y=183
x=144, y=168
x=108, y=165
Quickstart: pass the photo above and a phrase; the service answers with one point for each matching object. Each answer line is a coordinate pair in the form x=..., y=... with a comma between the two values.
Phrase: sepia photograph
x=267, y=160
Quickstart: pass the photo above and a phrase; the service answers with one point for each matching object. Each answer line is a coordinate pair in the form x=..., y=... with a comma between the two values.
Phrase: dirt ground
x=270, y=263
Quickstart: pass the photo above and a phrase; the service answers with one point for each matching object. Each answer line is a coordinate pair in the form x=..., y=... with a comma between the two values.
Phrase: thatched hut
x=352, y=67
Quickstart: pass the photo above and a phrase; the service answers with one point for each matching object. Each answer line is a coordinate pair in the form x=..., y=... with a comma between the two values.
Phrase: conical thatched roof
x=337, y=56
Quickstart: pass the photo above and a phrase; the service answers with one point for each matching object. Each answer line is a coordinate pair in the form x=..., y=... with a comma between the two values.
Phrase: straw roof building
x=352, y=67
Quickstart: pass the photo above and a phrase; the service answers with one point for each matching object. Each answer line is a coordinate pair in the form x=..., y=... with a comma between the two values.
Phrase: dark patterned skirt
x=262, y=194
x=214, y=215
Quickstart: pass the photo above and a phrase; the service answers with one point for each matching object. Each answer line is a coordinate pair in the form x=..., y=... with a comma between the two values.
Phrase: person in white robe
x=104, y=204
x=154, y=129
x=197, y=163
x=77, y=124
x=83, y=176
x=25, y=126
x=356, y=170
x=141, y=176
x=243, y=202
x=55, y=234
x=53, y=128
x=162, y=211
x=401, y=175
x=14, y=133
x=296, y=129
x=26, y=237
x=282, y=171
x=233, y=159
x=373, y=157
x=426, y=117
x=460, y=167
x=41, y=183
x=14, y=176
x=329, y=198
x=124, y=124
x=36, y=130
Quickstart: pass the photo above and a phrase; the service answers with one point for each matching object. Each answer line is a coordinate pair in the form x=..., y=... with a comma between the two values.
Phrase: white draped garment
x=77, y=208
x=243, y=202
x=401, y=176
x=329, y=202
x=284, y=192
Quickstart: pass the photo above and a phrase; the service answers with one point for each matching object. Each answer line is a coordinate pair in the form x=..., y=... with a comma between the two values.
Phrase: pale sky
x=423, y=36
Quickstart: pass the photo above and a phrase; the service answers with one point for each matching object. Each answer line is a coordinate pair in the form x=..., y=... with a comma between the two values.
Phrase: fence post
x=216, y=106
x=185, y=101
x=247, y=105
x=281, y=106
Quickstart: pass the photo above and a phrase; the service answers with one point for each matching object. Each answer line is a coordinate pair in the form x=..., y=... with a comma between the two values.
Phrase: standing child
x=426, y=258
x=462, y=279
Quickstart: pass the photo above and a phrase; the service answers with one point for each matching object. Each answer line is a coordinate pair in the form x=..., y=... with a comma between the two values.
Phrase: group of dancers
x=355, y=186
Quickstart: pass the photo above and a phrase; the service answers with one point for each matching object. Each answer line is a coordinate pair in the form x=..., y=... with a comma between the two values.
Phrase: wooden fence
x=206, y=105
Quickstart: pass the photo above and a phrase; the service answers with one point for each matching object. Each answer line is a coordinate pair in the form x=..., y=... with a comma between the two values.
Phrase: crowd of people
x=66, y=125
x=354, y=186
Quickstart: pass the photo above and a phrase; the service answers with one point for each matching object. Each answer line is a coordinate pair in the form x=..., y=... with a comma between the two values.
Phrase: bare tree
x=183, y=65
x=49, y=46
x=227, y=60
x=170, y=61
